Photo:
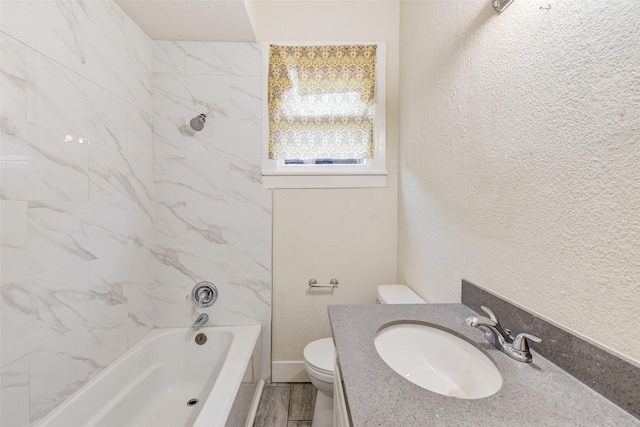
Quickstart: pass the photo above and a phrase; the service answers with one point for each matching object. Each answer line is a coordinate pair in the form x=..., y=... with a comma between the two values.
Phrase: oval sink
x=438, y=361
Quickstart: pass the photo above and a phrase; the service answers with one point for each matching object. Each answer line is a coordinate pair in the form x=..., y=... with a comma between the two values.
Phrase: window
x=324, y=115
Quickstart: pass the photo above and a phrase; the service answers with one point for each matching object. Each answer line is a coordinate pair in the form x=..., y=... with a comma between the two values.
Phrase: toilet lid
x=320, y=354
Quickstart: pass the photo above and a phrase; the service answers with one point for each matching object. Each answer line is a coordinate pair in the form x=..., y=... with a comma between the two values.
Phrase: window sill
x=324, y=180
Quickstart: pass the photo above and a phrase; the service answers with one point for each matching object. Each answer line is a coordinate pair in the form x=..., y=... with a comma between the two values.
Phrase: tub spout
x=200, y=321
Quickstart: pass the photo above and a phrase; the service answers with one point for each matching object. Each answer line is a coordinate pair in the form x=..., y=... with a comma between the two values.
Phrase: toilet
x=319, y=356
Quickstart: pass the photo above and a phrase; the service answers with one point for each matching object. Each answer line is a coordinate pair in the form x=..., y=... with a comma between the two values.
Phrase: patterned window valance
x=321, y=102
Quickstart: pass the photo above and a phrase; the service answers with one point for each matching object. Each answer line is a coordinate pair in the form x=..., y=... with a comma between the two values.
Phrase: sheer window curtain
x=321, y=102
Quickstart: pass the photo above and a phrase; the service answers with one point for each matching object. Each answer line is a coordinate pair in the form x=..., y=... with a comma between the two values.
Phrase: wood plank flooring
x=286, y=405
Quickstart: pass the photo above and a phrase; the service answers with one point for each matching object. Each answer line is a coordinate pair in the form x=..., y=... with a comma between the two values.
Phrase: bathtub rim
x=233, y=369
x=249, y=335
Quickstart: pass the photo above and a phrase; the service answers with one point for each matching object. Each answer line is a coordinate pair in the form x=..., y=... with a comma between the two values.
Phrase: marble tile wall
x=76, y=197
x=213, y=218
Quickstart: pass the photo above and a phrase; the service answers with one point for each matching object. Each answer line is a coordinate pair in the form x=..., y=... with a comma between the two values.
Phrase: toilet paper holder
x=313, y=283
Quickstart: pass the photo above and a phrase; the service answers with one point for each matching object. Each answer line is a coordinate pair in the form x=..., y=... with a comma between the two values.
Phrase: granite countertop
x=539, y=393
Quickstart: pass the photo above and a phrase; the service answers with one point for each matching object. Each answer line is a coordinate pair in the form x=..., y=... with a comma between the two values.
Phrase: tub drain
x=192, y=402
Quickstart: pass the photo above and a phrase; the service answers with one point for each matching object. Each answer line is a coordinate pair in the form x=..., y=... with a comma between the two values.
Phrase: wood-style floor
x=286, y=405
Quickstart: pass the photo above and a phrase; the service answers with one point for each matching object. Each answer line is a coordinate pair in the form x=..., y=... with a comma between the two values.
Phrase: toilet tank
x=398, y=294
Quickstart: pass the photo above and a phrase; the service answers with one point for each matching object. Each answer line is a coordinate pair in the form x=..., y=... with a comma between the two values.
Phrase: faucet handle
x=520, y=342
x=505, y=332
x=489, y=313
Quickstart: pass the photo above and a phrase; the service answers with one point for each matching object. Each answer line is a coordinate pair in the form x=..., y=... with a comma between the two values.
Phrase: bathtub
x=151, y=384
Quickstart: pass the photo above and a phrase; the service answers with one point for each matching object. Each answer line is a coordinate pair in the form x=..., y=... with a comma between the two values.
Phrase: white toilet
x=319, y=356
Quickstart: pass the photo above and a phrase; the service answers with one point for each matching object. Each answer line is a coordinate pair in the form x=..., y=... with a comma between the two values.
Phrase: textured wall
x=76, y=190
x=520, y=146
x=349, y=234
x=212, y=216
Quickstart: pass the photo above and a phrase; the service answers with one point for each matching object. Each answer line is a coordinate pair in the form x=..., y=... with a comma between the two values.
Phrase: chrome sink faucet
x=517, y=348
x=200, y=321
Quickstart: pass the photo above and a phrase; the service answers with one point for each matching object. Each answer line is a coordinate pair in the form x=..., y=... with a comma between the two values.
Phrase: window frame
x=371, y=174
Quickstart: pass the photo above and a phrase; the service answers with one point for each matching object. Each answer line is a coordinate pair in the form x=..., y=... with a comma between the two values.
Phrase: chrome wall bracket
x=501, y=5
x=204, y=294
x=313, y=283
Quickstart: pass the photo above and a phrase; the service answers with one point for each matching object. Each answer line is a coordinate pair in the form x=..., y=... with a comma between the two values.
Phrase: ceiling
x=195, y=20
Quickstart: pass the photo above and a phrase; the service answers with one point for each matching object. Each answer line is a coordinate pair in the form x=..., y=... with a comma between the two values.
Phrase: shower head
x=197, y=123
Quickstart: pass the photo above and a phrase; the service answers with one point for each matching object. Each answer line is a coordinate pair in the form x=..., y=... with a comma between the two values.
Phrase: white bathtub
x=152, y=382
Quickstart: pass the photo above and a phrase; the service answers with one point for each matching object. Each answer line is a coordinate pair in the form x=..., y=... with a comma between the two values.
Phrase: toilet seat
x=319, y=355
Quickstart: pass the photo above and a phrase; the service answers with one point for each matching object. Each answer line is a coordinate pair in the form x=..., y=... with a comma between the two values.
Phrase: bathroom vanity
x=367, y=392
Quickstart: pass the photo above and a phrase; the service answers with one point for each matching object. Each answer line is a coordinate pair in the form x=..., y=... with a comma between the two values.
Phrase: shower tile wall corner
x=212, y=216
x=77, y=197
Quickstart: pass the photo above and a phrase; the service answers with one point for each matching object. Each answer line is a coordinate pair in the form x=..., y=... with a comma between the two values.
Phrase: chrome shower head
x=197, y=123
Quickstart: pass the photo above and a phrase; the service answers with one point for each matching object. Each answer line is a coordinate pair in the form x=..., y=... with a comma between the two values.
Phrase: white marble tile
x=170, y=223
x=236, y=305
x=182, y=266
x=139, y=132
x=61, y=100
x=168, y=57
x=125, y=280
x=250, y=267
x=169, y=137
x=245, y=296
x=224, y=139
x=107, y=63
x=14, y=401
x=93, y=39
x=245, y=98
x=61, y=367
x=13, y=57
x=245, y=142
x=178, y=269
x=77, y=267
x=63, y=233
x=174, y=277
x=169, y=306
x=118, y=54
x=182, y=95
x=139, y=48
x=139, y=294
x=239, y=59
x=190, y=179
x=42, y=308
x=140, y=80
x=140, y=223
x=54, y=28
x=108, y=279
x=206, y=222
x=139, y=45
x=210, y=182
x=14, y=238
x=12, y=80
x=238, y=224
x=39, y=164
x=245, y=185
x=116, y=175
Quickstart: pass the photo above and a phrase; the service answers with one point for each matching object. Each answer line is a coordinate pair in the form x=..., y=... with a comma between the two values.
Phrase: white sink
x=438, y=361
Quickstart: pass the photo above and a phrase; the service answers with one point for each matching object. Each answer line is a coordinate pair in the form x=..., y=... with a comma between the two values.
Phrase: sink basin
x=438, y=361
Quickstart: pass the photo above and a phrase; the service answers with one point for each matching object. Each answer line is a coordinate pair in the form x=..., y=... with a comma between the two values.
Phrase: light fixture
x=501, y=5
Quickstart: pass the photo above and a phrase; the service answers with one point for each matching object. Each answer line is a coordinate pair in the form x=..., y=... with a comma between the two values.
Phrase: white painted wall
x=349, y=234
x=519, y=159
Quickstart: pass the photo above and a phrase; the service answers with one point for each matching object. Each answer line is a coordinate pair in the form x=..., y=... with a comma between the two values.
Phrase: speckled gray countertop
x=536, y=394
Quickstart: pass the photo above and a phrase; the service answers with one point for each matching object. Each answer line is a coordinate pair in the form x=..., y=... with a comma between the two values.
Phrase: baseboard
x=289, y=372
x=254, y=404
